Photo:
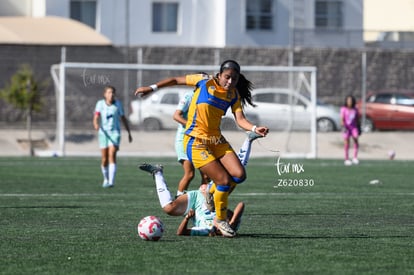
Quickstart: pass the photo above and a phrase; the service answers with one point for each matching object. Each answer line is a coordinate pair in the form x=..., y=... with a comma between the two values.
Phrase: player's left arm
x=178, y=116
x=126, y=125
x=245, y=124
x=96, y=121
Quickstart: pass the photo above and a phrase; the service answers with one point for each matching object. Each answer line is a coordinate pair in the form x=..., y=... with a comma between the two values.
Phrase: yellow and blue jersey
x=209, y=103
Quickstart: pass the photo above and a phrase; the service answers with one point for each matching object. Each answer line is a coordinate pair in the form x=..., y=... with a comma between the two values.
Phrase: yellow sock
x=212, y=188
x=221, y=195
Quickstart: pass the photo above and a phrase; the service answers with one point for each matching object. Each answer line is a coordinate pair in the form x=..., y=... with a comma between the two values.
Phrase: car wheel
x=325, y=125
x=152, y=124
x=228, y=124
x=368, y=126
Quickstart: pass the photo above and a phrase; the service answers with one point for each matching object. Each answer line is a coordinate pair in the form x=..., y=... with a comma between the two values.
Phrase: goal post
x=79, y=85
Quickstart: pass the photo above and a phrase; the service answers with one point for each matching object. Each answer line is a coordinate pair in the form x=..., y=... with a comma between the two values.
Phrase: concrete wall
x=339, y=71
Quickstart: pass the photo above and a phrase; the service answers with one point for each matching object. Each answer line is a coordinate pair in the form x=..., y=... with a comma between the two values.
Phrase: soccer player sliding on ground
x=193, y=204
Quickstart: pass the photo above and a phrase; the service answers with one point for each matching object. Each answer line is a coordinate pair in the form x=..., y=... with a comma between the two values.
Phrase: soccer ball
x=150, y=228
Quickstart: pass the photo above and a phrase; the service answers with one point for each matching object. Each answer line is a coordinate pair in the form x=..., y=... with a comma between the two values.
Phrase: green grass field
x=57, y=219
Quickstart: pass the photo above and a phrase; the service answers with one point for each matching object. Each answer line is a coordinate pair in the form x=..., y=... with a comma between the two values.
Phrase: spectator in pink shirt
x=351, y=128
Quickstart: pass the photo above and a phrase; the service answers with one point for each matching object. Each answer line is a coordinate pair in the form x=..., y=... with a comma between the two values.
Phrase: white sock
x=112, y=173
x=244, y=152
x=163, y=193
x=104, y=170
x=179, y=193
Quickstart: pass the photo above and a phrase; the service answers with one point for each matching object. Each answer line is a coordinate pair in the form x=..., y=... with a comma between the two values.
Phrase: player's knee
x=238, y=180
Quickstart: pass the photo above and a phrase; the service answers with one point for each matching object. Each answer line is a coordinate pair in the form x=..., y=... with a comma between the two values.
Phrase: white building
x=209, y=23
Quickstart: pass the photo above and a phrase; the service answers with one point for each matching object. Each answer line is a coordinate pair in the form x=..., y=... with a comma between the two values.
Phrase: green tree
x=24, y=92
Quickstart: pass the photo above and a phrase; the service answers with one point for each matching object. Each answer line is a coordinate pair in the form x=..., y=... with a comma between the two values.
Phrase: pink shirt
x=349, y=117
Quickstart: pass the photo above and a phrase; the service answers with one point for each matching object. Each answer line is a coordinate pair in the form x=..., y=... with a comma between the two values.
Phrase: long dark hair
x=243, y=86
x=353, y=101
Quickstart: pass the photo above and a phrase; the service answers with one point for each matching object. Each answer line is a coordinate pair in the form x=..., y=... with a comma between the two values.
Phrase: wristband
x=154, y=87
x=254, y=128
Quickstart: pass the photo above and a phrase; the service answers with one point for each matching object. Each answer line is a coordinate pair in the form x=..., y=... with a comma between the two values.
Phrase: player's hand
x=143, y=91
x=190, y=214
x=261, y=130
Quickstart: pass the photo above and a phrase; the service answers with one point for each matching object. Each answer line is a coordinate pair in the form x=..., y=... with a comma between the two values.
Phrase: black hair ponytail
x=245, y=87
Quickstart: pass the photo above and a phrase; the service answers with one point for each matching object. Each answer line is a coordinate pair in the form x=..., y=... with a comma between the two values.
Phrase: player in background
x=205, y=146
x=106, y=120
x=351, y=128
x=193, y=204
x=180, y=115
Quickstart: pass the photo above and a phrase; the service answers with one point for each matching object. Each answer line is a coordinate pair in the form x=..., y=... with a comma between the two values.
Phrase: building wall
x=388, y=15
x=15, y=8
x=218, y=23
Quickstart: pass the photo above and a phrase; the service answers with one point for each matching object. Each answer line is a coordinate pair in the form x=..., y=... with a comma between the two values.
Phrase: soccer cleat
x=209, y=197
x=224, y=228
x=355, y=161
x=106, y=184
x=253, y=136
x=152, y=169
x=209, y=201
x=347, y=162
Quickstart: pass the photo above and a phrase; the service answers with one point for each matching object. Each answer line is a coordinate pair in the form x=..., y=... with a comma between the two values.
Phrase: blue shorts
x=107, y=139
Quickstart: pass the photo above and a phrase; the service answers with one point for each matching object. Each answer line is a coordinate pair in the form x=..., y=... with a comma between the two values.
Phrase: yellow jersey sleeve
x=237, y=107
x=193, y=79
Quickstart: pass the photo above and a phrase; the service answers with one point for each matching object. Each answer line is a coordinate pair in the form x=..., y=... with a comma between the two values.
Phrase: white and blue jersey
x=182, y=106
x=109, y=115
x=203, y=219
x=110, y=128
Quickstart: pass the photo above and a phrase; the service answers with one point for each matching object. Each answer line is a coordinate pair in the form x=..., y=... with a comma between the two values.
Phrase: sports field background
x=57, y=219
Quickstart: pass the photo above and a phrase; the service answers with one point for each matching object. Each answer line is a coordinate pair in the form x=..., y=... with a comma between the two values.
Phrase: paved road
x=84, y=143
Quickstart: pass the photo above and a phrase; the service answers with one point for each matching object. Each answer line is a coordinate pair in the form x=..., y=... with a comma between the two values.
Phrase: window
x=328, y=14
x=265, y=98
x=383, y=98
x=84, y=11
x=259, y=15
x=164, y=17
x=403, y=100
x=171, y=99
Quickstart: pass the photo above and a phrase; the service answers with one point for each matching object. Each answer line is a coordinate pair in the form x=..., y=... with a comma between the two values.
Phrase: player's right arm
x=96, y=121
x=182, y=229
x=167, y=82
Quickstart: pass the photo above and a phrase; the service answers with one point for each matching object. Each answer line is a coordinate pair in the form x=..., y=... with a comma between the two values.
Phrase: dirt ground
x=376, y=145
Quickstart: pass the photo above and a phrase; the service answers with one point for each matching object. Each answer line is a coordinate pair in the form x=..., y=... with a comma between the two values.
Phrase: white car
x=274, y=111
x=155, y=112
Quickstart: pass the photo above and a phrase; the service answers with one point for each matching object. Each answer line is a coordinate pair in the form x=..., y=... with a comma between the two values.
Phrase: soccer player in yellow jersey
x=204, y=144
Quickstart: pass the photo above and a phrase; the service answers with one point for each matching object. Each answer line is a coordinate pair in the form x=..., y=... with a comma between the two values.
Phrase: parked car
x=274, y=111
x=155, y=112
x=388, y=110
